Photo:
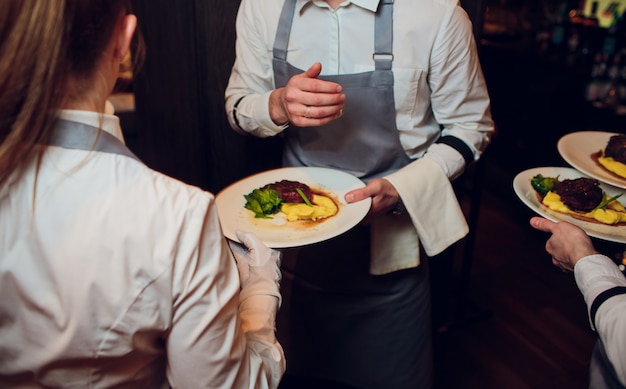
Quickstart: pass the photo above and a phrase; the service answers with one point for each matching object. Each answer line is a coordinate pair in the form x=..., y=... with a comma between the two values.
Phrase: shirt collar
x=106, y=122
x=371, y=5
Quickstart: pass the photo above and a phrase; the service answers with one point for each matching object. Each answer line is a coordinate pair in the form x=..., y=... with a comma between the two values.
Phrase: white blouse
x=114, y=274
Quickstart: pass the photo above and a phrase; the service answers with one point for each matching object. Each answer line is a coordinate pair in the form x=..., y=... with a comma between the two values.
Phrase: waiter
x=392, y=93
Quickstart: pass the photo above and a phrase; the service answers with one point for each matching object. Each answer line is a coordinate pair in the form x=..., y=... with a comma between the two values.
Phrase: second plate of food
x=524, y=190
x=578, y=149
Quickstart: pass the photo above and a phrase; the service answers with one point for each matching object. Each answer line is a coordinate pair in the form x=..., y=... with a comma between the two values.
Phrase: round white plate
x=576, y=149
x=279, y=233
x=526, y=193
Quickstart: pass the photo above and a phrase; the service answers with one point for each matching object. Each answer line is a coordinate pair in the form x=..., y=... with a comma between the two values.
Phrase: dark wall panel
x=182, y=129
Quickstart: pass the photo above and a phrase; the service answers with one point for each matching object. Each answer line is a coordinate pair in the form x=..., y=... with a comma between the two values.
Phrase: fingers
x=317, y=113
x=309, y=83
x=542, y=224
x=247, y=239
x=568, y=243
x=314, y=71
x=383, y=193
x=315, y=93
x=357, y=195
x=308, y=101
x=311, y=116
x=240, y=253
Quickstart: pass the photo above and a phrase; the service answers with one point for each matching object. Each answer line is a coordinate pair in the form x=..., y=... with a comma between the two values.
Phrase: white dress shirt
x=112, y=274
x=438, y=78
x=438, y=82
x=595, y=274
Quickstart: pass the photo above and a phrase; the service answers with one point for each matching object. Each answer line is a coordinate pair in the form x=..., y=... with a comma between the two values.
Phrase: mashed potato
x=613, y=166
x=613, y=214
x=322, y=207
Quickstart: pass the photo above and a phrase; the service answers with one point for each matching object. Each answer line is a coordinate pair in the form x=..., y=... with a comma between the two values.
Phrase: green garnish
x=543, y=185
x=306, y=201
x=606, y=202
x=263, y=202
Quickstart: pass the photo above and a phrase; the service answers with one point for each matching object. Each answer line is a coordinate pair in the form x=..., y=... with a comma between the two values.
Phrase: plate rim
x=606, y=176
x=520, y=179
x=362, y=206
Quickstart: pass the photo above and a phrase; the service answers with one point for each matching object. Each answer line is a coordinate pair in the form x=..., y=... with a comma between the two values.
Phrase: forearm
x=251, y=115
x=258, y=316
x=251, y=80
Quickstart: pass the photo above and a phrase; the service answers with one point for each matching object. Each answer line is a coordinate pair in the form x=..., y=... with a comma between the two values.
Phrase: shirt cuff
x=596, y=269
x=594, y=274
x=448, y=159
x=254, y=117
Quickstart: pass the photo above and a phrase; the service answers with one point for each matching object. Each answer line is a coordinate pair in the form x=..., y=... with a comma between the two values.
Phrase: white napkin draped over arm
x=434, y=211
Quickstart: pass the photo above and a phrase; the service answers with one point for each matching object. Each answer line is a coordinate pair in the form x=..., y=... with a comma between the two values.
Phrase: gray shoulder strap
x=74, y=135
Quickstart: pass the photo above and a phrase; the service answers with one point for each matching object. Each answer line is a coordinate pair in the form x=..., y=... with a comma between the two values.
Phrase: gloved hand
x=258, y=265
x=259, y=298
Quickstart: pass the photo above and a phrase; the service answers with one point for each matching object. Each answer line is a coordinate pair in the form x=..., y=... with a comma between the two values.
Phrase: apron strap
x=383, y=45
x=79, y=136
x=283, y=30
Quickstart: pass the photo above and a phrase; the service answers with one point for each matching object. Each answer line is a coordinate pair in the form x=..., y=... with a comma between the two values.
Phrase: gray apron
x=364, y=141
x=338, y=322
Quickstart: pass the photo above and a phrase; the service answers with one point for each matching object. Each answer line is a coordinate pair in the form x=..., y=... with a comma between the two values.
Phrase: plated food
x=613, y=156
x=522, y=184
x=295, y=200
x=301, y=225
x=581, y=197
x=582, y=149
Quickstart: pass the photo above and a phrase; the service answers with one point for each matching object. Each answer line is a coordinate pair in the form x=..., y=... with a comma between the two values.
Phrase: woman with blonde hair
x=111, y=274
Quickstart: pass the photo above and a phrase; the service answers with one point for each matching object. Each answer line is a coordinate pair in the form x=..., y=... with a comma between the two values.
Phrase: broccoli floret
x=263, y=202
x=543, y=185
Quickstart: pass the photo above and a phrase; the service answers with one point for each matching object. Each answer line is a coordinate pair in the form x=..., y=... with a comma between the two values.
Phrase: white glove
x=258, y=265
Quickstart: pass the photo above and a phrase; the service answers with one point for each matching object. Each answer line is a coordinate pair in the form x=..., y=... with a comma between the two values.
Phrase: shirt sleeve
x=458, y=93
x=207, y=346
x=459, y=97
x=252, y=79
x=594, y=275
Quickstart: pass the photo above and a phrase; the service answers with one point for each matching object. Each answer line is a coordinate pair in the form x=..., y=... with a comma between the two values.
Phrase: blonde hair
x=41, y=43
